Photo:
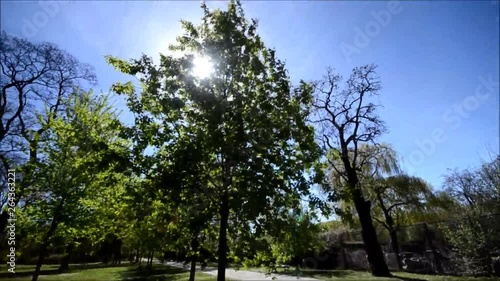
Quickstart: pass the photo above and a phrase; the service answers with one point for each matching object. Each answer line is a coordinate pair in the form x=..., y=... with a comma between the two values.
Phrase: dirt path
x=244, y=275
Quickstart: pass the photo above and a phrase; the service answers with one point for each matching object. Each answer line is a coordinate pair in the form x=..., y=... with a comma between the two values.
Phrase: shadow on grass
x=72, y=268
x=28, y=273
x=407, y=278
x=156, y=273
x=327, y=273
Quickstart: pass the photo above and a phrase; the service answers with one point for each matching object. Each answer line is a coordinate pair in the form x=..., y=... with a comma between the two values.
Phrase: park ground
x=100, y=272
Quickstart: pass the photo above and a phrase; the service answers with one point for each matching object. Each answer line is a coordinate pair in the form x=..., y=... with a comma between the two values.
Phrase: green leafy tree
x=475, y=217
x=81, y=156
x=299, y=237
x=396, y=196
x=250, y=119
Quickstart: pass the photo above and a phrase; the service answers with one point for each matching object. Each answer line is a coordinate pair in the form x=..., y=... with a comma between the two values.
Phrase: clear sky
x=438, y=61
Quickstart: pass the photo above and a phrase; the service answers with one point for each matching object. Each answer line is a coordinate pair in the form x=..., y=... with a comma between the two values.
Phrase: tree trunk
x=392, y=230
x=378, y=266
x=150, y=259
x=193, y=267
x=395, y=247
x=65, y=260
x=64, y=266
x=119, y=252
x=222, y=252
x=194, y=257
x=4, y=216
x=43, y=249
x=437, y=260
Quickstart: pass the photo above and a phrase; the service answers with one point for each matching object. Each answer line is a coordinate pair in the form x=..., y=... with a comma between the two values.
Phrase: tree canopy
x=237, y=165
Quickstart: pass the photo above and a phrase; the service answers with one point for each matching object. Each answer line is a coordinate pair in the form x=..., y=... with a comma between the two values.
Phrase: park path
x=244, y=275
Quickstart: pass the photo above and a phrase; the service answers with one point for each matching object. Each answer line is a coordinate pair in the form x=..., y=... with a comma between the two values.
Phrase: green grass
x=105, y=273
x=101, y=272
x=27, y=268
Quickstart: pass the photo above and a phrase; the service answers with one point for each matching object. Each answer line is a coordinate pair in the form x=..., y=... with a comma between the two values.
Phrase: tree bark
x=395, y=247
x=192, y=272
x=43, y=249
x=65, y=261
x=378, y=266
x=193, y=268
x=194, y=258
x=150, y=260
x=4, y=216
x=140, y=255
x=392, y=231
x=222, y=252
x=437, y=261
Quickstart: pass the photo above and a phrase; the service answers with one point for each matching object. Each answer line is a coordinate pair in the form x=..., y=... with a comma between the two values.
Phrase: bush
x=472, y=242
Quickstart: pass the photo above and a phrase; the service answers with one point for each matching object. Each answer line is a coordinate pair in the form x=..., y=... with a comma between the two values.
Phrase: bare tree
x=346, y=119
x=477, y=188
x=34, y=79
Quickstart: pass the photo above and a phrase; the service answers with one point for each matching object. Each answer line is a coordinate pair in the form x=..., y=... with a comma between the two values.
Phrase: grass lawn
x=27, y=268
x=99, y=272
x=351, y=275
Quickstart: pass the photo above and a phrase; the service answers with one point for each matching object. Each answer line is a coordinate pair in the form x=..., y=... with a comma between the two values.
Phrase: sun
x=203, y=67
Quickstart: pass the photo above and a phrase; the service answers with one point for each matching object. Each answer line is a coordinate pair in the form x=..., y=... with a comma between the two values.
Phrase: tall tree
x=347, y=119
x=82, y=153
x=32, y=75
x=252, y=122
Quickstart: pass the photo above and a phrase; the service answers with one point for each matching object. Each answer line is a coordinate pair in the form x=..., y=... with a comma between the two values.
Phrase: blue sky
x=438, y=61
